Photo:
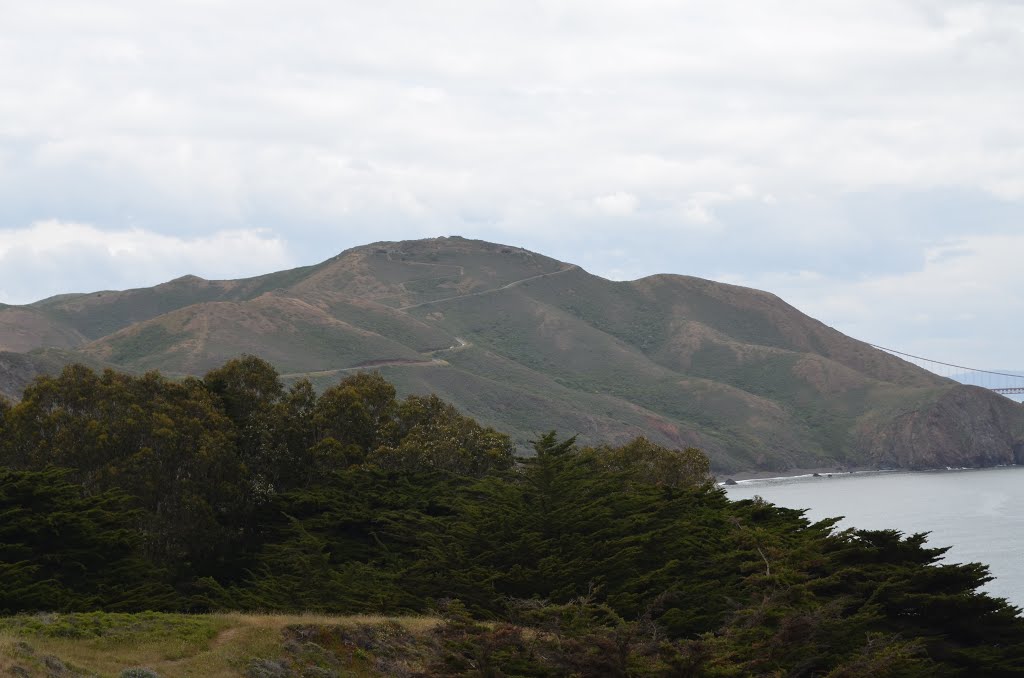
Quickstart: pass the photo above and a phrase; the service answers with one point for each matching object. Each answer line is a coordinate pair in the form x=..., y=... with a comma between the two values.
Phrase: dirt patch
x=224, y=637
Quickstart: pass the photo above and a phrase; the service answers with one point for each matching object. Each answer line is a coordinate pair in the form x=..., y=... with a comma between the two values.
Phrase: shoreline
x=745, y=477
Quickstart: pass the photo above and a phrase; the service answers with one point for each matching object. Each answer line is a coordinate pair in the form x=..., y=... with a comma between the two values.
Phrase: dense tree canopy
x=63, y=550
x=236, y=492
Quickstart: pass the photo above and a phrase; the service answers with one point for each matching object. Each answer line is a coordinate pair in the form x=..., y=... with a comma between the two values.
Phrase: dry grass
x=224, y=645
x=279, y=621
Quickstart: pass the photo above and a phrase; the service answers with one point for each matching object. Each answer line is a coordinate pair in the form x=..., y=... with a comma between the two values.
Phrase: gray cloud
x=769, y=142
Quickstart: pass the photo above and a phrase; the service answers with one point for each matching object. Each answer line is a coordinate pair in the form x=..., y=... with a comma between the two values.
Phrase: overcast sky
x=862, y=159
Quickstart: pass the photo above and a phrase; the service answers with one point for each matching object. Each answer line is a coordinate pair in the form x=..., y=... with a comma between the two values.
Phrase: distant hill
x=527, y=343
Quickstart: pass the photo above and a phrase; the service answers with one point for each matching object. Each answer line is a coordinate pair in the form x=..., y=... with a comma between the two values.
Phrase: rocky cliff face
x=964, y=426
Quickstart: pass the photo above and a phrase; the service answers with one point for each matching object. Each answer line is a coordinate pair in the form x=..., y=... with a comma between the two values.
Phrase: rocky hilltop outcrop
x=528, y=343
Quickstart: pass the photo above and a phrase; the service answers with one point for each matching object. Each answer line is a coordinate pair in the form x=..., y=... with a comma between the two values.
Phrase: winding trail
x=398, y=362
x=451, y=349
x=460, y=272
x=224, y=637
x=514, y=283
x=220, y=640
x=434, y=360
x=357, y=368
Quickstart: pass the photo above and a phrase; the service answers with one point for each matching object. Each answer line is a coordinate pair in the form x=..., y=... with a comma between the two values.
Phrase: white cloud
x=214, y=102
x=53, y=257
x=697, y=212
x=961, y=306
x=725, y=138
x=618, y=204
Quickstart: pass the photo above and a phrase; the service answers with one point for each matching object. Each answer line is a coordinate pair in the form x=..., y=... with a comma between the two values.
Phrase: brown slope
x=528, y=343
x=403, y=274
x=72, y=320
x=24, y=328
x=292, y=333
x=755, y=317
x=390, y=273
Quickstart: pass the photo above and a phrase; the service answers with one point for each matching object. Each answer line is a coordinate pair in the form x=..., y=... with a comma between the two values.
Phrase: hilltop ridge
x=527, y=343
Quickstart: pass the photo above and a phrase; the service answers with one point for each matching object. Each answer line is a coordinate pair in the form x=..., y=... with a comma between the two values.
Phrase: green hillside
x=528, y=343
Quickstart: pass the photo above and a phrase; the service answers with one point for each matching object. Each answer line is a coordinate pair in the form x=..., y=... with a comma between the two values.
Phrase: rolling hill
x=527, y=343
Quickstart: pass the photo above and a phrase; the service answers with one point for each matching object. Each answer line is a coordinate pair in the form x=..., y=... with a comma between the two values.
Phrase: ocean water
x=979, y=513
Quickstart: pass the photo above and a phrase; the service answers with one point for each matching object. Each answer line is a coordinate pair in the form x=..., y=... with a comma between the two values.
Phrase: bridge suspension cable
x=1006, y=383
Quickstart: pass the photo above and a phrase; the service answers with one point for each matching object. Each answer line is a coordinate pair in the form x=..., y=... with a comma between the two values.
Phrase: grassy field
x=211, y=645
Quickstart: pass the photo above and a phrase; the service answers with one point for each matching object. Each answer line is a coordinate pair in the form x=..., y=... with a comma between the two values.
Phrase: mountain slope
x=527, y=343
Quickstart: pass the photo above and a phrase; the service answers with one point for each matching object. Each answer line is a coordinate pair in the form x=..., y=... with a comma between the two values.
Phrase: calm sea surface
x=980, y=513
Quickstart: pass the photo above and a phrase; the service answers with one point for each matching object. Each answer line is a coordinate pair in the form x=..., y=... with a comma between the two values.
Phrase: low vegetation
x=542, y=345
x=124, y=495
x=151, y=644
